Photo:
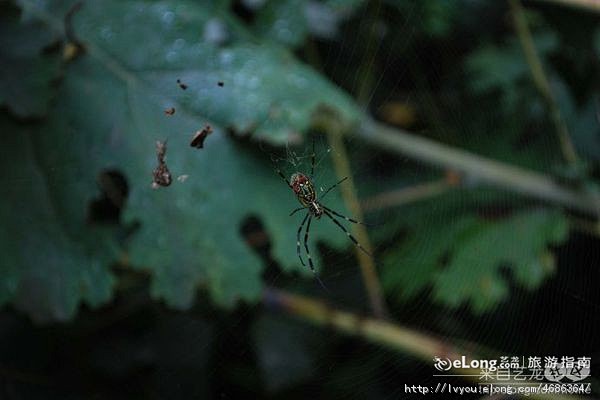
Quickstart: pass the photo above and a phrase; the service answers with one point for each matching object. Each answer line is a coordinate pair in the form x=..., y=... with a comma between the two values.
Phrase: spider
x=304, y=189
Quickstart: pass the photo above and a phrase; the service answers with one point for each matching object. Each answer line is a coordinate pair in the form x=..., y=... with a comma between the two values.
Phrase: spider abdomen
x=304, y=189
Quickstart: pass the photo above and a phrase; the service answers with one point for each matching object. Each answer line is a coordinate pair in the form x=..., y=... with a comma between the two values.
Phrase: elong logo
x=445, y=364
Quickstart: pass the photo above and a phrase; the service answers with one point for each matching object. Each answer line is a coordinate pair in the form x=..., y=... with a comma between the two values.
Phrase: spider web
x=532, y=311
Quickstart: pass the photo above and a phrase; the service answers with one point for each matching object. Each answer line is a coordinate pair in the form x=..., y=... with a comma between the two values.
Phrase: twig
x=342, y=168
x=330, y=123
x=493, y=172
x=587, y=5
x=374, y=330
x=541, y=81
x=399, y=197
x=382, y=332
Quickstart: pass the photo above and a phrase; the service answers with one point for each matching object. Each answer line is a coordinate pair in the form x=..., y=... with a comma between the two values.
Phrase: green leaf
x=51, y=260
x=265, y=90
x=283, y=21
x=413, y=265
x=435, y=18
x=461, y=257
x=289, y=22
x=519, y=243
x=503, y=69
x=26, y=74
x=582, y=121
x=110, y=115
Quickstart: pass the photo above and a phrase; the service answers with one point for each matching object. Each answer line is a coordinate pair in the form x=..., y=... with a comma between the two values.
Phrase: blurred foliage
x=459, y=244
x=463, y=261
x=503, y=69
x=432, y=18
x=290, y=22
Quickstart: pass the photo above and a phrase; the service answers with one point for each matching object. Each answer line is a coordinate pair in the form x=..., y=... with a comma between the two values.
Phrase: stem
x=400, y=197
x=496, y=173
x=332, y=125
x=422, y=346
x=342, y=168
x=541, y=80
x=374, y=330
x=587, y=5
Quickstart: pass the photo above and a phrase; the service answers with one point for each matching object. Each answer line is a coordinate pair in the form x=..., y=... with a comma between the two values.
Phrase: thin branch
x=490, y=171
x=587, y=5
x=400, y=197
x=541, y=80
x=342, y=168
x=371, y=329
x=334, y=128
x=384, y=333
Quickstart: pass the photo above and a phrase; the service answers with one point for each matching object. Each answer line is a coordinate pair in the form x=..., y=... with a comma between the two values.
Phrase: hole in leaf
x=114, y=190
x=255, y=235
x=244, y=10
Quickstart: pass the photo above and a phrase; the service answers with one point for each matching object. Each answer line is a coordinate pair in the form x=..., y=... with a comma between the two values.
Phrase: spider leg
x=335, y=221
x=310, y=262
x=283, y=177
x=296, y=210
x=298, y=239
x=312, y=162
x=332, y=186
x=343, y=216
